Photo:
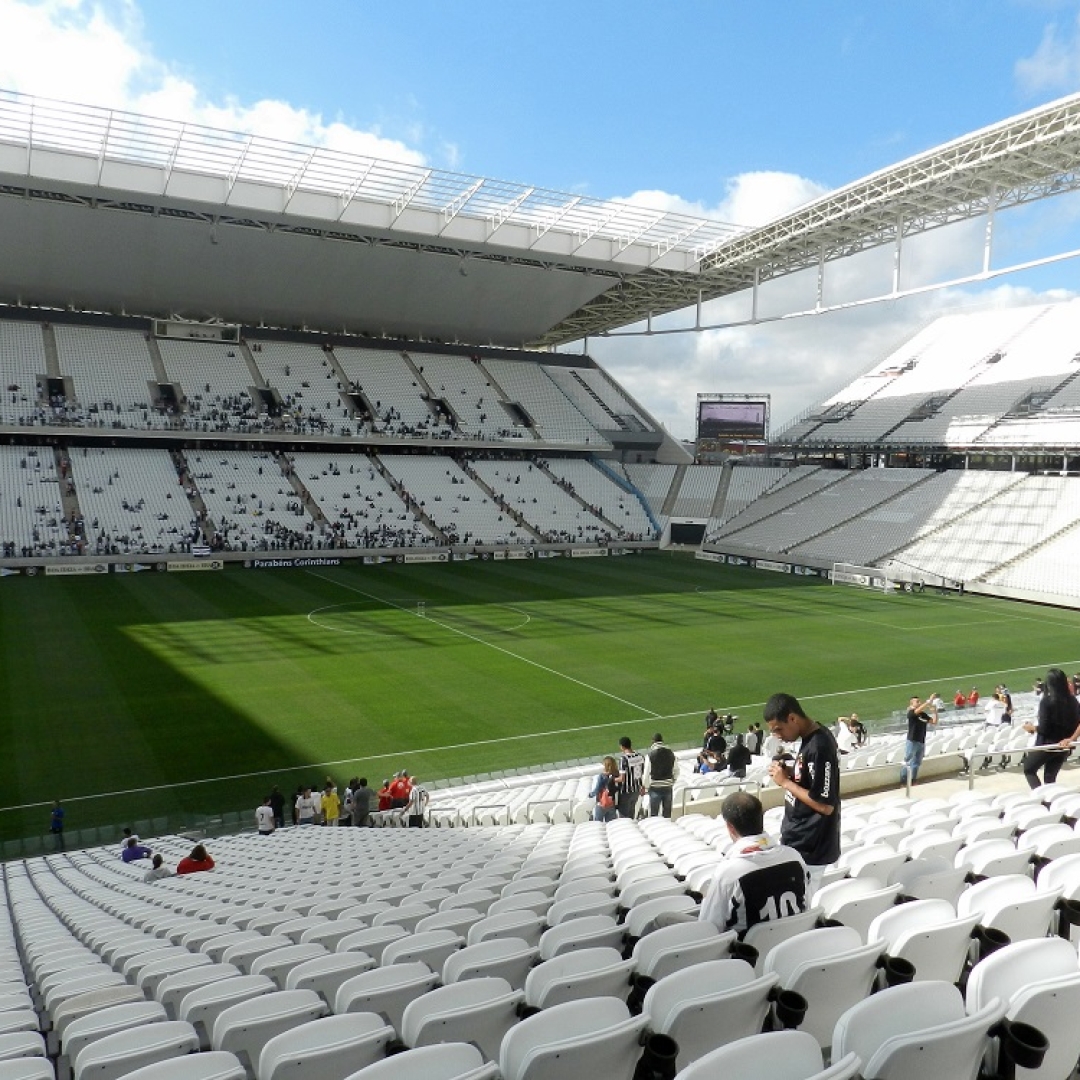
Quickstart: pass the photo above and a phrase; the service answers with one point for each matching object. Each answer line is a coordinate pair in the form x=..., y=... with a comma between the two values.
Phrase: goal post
x=863, y=577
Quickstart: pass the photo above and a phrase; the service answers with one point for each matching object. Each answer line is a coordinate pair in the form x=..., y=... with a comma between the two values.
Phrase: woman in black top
x=1058, y=727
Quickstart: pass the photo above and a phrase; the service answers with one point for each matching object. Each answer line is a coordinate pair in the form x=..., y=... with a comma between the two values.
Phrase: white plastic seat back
x=591, y=1037
x=115, y=1055
x=372, y=941
x=245, y=1028
x=917, y=1030
x=19, y=1020
x=582, y=973
x=1012, y=904
x=588, y=932
x=325, y=1049
x=505, y=958
x=21, y=1044
x=519, y=924
x=709, y=1005
x=575, y=907
x=84, y=1004
x=28, y=1068
x=94, y=1026
x=481, y=1011
x=674, y=947
x=448, y=1061
x=778, y=1055
x=173, y=988
x=153, y=974
x=641, y=915
x=277, y=963
x=203, y=1005
x=208, y=1065
x=831, y=968
x=431, y=946
x=764, y=935
x=385, y=990
x=855, y=902
x=928, y=934
x=1039, y=982
x=325, y=974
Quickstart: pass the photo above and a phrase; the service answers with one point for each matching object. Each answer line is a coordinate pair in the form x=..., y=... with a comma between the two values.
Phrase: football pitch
x=139, y=696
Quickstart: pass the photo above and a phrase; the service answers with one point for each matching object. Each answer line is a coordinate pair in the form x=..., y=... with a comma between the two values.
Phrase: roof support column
x=819, y=303
x=754, y=294
x=898, y=252
x=988, y=239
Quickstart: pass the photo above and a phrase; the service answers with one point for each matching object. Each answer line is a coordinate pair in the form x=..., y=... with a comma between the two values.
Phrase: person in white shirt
x=264, y=817
x=757, y=879
x=418, y=801
x=306, y=813
x=845, y=737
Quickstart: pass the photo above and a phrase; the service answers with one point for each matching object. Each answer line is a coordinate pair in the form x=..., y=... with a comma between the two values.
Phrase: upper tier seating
x=112, y=375
x=309, y=385
x=468, y=392
x=22, y=360
x=216, y=386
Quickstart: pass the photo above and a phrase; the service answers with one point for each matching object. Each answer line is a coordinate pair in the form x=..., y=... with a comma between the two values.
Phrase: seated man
x=134, y=850
x=757, y=880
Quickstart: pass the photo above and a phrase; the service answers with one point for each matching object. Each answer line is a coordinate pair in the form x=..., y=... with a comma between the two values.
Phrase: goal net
x=863, y=577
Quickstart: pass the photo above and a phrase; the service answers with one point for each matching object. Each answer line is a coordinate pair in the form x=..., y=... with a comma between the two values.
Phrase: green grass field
x=205, y=689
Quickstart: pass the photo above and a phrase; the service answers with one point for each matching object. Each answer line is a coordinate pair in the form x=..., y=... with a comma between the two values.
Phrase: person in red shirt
x=959, y=701
x=400, y=790
x=973, y=697
x=198, y=860
x=385, y=798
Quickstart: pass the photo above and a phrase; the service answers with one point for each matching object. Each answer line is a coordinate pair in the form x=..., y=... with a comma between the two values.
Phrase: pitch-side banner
x=76, y=570
x=289, y=563
x=189, y=564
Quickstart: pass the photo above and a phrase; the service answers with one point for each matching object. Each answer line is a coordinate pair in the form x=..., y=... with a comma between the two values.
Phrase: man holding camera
x=811, y=783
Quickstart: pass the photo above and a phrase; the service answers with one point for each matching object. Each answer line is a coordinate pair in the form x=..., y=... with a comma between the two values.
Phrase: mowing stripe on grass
x=489, y=644
x=514, y=738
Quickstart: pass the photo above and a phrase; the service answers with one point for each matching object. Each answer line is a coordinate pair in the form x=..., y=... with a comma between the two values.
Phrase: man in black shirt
x=811, y=784
x=920, y=715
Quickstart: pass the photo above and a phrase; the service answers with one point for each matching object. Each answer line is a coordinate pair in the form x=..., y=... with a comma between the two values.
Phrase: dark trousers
x=1050, y=761
x=626, y=804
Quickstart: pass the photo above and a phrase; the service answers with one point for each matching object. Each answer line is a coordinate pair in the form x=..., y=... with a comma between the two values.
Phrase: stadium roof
x=119, y=212
x=207, y=223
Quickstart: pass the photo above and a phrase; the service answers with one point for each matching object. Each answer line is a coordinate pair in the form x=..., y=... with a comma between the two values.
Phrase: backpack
x=604, y=799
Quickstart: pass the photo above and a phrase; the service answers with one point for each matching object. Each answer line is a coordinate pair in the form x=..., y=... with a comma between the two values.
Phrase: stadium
x=306, y=470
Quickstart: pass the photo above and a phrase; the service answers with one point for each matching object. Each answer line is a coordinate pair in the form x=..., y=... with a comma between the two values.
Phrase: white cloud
x=1055, y=65
x=751, y=198
x=96, y=54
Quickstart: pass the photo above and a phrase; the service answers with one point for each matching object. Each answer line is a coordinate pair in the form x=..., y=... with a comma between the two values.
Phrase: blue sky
x=738, y=110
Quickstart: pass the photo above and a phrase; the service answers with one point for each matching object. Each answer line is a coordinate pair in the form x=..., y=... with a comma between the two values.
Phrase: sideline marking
x=488, y=644
x=515, y=738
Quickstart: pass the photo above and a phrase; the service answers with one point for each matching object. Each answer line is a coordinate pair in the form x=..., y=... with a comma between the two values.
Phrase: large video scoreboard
x=731, y=424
